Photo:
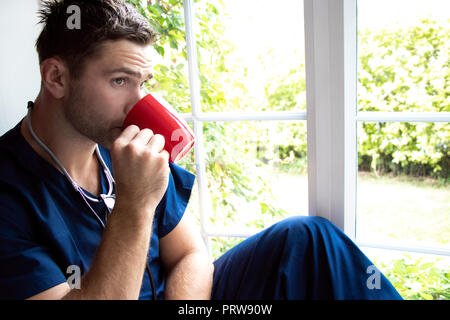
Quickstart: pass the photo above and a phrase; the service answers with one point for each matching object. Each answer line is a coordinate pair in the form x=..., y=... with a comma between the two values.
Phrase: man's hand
x=140, y=168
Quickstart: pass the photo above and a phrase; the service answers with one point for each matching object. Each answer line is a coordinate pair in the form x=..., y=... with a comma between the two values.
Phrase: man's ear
x=55, y=77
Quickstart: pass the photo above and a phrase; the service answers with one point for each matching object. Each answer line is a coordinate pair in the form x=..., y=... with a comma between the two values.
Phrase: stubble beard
x=83, y=118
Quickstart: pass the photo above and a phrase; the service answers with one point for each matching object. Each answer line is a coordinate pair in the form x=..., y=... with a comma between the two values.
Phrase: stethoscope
x=109, y=199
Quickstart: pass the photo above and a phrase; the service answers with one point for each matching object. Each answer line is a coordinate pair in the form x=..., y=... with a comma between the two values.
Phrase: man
x=89, y=83
x=64, y=162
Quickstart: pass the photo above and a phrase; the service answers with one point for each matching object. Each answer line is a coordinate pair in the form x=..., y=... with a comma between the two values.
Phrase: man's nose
x=137, y=95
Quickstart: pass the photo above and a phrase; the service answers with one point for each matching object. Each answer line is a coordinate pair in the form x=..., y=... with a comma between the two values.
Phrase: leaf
x=173, y=44
x=159, y=49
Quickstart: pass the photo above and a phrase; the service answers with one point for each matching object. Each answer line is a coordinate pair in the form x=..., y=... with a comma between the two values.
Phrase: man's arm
x=141, y=171
x=190, y=270
x=122, y=251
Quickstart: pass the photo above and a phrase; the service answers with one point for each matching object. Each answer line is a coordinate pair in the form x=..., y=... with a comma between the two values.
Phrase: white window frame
x=330, y=44
x=332, y=117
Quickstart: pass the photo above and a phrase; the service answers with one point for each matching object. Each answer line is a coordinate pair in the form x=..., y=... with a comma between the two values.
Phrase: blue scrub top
x=45, y=226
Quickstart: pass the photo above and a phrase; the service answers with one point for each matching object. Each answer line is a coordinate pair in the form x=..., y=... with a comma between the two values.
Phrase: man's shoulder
x=12, y=157
x=8, y=143
x=9, y=138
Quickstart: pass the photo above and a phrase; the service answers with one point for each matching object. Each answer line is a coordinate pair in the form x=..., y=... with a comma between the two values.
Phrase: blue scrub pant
x=299, y=258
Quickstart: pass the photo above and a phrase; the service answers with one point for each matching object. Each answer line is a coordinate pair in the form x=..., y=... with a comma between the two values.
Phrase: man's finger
x=165, y=154
x=157, y=143
x=143, y=137
x=128, y=134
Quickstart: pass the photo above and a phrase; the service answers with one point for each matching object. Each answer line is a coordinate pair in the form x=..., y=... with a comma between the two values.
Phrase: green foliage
x=417, y=278
x=405, y=70
x=287, y=92
x=222, y=245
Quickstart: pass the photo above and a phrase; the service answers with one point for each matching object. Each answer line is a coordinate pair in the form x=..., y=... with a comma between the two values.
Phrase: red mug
x=161, y=118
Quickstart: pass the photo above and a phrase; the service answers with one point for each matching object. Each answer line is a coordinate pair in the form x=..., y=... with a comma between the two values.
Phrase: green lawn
x=403, y=209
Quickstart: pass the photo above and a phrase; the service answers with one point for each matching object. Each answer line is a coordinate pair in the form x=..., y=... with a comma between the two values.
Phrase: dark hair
x=101, y=20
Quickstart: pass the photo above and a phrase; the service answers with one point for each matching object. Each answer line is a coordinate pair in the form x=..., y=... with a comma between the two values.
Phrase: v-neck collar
x=40, y=167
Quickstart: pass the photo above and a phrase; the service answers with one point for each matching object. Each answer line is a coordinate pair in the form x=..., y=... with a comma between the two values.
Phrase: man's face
x=109, y=86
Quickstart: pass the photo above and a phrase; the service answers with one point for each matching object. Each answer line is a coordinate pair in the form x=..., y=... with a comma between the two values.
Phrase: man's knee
x=303, y=229
x=303, y=222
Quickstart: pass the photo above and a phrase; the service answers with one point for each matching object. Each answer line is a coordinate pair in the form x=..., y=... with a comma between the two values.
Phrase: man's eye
x=144, y=83
x=119, y=81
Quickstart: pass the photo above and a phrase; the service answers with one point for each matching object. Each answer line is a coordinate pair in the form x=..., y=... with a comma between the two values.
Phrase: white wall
x=19, y=64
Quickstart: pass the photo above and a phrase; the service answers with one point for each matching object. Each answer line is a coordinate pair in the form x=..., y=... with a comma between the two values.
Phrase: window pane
x=403, y=189
x=403, y=49
x=251, y=55
x=256, y=172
